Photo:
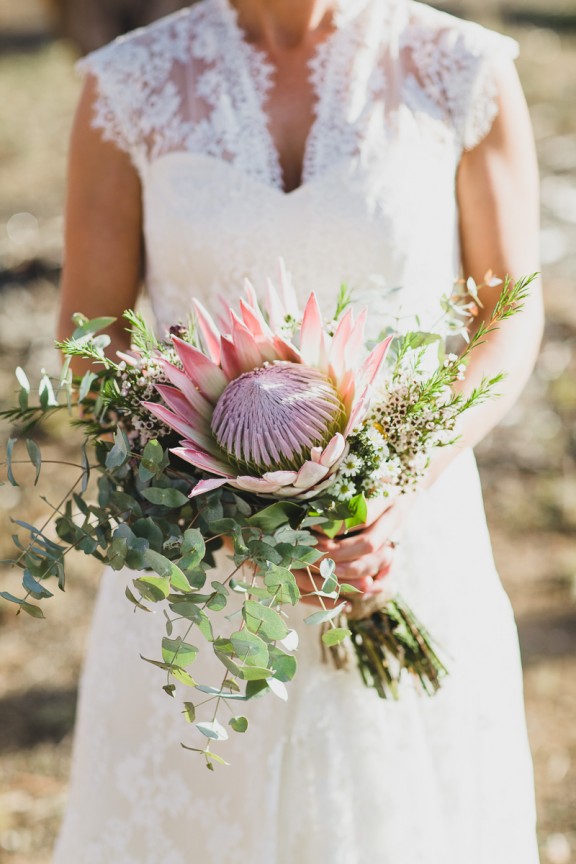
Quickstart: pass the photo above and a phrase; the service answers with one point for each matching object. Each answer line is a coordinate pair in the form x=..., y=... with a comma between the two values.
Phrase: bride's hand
x=363, y=559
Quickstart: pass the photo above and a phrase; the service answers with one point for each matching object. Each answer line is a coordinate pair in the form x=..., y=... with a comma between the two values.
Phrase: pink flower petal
x=315, y=454
x=287, y=292
x=337, y=352
x=180, y=380
x=190, y=453
x=229, y=358
x=209, y=331
x=257, y=484
x=131, y=359
x=206, y=486
x=254, y=320
x=250, y=292
x=247, y=349
x=333, y=450
x=208, y=377
x=176, y=400
x=310, y=474
x=274, y=306
x=358, y=411
x=373, y=364
x=311, y=333
x=355, y=342
x=287, y=351
x=284, y=478
x=189, y=431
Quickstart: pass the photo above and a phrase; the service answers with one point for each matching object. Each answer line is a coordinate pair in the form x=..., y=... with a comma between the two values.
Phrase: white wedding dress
x=335, y=775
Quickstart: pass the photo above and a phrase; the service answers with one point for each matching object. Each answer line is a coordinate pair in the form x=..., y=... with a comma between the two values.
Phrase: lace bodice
x=400, y=90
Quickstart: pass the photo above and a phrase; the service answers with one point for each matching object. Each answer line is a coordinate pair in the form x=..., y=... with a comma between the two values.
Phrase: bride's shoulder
x=455, y=64
x=452, y=35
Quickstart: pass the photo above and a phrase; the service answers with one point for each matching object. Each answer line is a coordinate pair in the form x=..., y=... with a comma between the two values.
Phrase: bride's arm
x=103, y=233
x=497, y=189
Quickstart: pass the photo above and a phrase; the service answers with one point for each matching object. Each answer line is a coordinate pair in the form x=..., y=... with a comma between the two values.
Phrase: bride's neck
x=283, y=23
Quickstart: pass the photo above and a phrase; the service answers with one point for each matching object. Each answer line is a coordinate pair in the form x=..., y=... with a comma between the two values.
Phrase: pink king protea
x=264, y=413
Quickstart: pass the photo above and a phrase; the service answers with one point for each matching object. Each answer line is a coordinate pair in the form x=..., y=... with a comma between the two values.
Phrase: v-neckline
x=258, y=73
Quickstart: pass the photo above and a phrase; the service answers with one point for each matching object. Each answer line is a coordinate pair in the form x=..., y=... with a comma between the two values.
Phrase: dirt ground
x=528, y=465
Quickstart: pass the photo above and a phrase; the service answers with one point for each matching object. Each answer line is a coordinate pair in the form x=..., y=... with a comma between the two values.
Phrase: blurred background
x=528, y=465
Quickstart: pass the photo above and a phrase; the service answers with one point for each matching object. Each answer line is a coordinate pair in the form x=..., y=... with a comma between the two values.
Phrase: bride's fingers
x=366, y=542
x=366, y=567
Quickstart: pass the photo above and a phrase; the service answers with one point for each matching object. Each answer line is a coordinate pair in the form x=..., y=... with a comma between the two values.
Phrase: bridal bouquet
x=250, y=433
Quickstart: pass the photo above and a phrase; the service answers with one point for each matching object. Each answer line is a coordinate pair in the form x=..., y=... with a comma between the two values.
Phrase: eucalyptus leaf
x=189, y=712
x=278, y=688
x=281, y=583
x=165, y=497
x=135, y=601
x=255, y=673
x=277, y=514
x=263, y=621
x=29, y=608
x=250, y=648
x=324, y=615
x=238, y=724
x=120, y=452
x=177, y=651
x=9, y=452
x=213, y=729
x=335, y=636
x=38, y=591
x=152, y=588
x=167, y=569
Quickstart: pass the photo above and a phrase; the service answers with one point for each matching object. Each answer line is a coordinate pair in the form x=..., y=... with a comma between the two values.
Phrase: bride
x=385, y=144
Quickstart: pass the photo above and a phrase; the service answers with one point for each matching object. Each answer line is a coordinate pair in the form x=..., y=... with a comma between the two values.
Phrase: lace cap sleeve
x=117, y=69
x=476, y=97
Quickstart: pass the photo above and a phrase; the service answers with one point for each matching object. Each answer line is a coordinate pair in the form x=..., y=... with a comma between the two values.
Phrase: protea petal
x=256, y=484
x=254, y=320
x=337, y=353
x=373, y=364
x=187, y=430
x=210, y=332
x=316, y=454
x=283, y=478
x=207, y=486
x=247, y=349
x=358, y=411
x=333, y=450
x=286, y=351
x=250, y=292
x=208, y=377
x=287, y=292
x=178, y=402
x=309, y=474
x=355, y=342
x=180, y=380
x=311, y=333
x=203, y=461
x=131, y=359
x=276, y=311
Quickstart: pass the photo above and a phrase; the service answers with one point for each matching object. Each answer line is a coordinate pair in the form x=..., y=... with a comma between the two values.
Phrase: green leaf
x=213, y=729
x=250, y=648
x=34, y=587
x=328, y=573
x=136, y=602
x=263, y=621
x=182, y=676
x=282, y=584
x=238, y=724
x=217, y=602
x=189, y=712
x=46, y=393
x=86, y=468
x=230, y=665
x=117, y=552
x=169, y=689
x=335, y=636
x=255, y=673
x=86, y=385
x=88, y=328
x=324, y=615
x=154, y=461
x=166, y=569
x=284, y=665
x=277, y=514
x=358, y=507
x=168, y=497
x=9, y=451
x=23, y=396
x=29, y=608
x=120, y=452
x=191, y=612
x=153, y=588
x=349, y=589
x=35, y=457
x=177, y=651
